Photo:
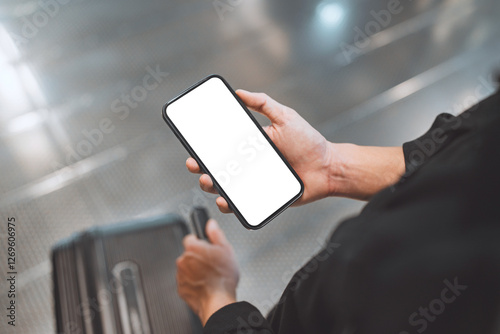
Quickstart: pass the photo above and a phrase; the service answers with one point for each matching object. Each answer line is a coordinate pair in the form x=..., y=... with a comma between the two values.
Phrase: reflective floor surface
x=82, y=141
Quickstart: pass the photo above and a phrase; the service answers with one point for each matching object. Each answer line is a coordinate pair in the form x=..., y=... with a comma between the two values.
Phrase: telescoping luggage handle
x=199, y=218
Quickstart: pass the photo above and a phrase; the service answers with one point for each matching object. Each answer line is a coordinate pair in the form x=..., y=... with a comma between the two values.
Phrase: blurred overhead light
x=25, y=122
x=19, y=89
x=330, y=13
x=9, y=51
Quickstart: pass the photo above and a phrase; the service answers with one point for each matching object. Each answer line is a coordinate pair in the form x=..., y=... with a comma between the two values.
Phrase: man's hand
x=309, y=153
x=326, y=169
x=207, y=273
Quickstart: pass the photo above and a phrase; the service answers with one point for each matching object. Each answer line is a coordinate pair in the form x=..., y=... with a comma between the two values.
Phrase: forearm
x=359, y=172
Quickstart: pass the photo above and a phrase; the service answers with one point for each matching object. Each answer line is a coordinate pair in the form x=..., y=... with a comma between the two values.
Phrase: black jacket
x=422, y=256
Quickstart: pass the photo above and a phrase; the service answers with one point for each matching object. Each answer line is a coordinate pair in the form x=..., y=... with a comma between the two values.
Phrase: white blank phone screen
x=233, y=150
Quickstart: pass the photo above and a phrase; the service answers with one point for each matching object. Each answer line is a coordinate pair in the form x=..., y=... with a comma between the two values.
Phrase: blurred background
x=82, y=83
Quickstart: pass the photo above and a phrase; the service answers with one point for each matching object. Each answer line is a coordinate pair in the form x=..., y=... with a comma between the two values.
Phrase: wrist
x=214, y=303
x=337, y=169
x=359, y=172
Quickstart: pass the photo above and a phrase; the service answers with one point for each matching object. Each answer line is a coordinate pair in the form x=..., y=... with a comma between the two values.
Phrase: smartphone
x=222, y=135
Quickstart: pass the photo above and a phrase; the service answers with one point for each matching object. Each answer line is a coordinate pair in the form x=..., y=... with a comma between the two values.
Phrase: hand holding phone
x=307, y=151
x=230, y=146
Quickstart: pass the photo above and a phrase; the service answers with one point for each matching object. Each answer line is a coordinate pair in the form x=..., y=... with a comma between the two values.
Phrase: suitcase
x=121, y=279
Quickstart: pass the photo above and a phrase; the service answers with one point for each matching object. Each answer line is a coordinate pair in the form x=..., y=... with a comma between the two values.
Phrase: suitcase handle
x=199, y=218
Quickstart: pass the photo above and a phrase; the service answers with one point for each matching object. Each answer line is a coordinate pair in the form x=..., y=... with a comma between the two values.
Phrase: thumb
x=263, y=104
x=215, y=234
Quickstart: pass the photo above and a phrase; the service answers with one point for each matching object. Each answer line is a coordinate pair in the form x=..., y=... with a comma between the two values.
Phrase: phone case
x=205, y=170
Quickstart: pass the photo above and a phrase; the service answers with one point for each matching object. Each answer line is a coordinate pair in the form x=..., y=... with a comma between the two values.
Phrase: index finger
x=192, y=244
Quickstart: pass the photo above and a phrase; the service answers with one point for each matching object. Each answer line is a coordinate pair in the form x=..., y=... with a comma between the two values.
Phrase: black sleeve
x=240, y=317
x=443, y=131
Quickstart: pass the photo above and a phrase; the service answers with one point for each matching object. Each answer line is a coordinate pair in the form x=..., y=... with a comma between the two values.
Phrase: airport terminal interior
x=365, y=72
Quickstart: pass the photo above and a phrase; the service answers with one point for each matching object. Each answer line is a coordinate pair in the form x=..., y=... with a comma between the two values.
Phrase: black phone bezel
x=205, y=170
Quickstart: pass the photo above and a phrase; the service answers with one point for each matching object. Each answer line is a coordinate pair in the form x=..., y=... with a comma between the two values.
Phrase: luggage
x=121, y=279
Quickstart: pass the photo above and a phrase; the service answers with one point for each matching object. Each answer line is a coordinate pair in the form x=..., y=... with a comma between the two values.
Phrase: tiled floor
x=368, y=72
